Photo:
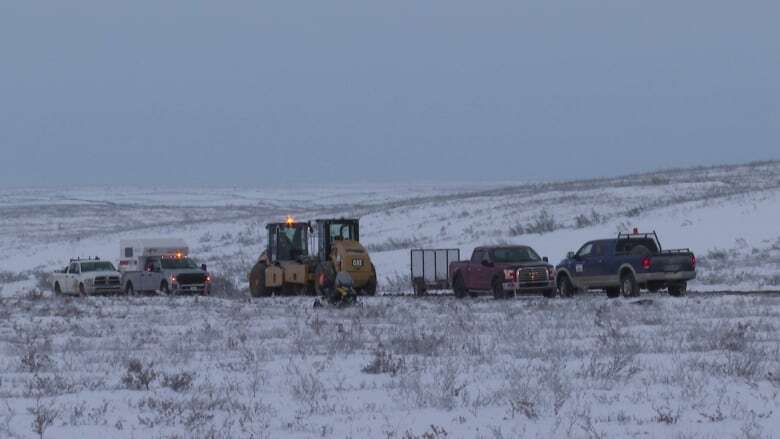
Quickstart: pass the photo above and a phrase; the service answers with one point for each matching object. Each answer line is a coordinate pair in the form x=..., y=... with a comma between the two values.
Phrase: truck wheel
x=565, y=286
x=370, y=288
x=679, y=290
x=628, y=285
x=257, y=280
x=613, y=292
x=498, y=290
x=459, y=287
x=164, y=288
x=82, y=290
x=418, y=284
x=129, y=290
x=57, y=289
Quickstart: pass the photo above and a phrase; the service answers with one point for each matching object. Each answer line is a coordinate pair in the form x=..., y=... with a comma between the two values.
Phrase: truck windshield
x=515, y=254
x=86, y=267
x=293, y=243
x=177, y=263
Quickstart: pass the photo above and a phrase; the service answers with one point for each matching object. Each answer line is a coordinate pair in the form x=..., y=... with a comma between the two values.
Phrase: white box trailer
x=134, y=253
x=160, y=265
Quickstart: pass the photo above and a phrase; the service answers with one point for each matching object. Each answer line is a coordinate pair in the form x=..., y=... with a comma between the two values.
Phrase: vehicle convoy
x=161, y=265
x=504, y=271
x=626, y=265
x=86, y=276
x=287, y=266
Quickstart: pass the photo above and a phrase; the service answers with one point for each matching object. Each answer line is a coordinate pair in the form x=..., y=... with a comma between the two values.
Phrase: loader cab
x=287, y=241
x=332, y=231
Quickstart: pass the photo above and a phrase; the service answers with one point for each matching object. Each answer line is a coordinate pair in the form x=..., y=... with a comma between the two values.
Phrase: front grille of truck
x=531, y=275
x=191, y=279
x=106, y=281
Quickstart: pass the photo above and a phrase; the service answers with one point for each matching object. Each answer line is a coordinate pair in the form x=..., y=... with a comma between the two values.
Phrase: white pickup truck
x=162, y=266
x=87, y=276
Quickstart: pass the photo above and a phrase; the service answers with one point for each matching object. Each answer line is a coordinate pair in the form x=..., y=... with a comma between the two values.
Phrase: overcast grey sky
x=254, y=92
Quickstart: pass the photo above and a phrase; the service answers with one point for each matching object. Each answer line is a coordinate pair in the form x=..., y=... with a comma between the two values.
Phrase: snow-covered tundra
x=702, y=366
x=438, y=367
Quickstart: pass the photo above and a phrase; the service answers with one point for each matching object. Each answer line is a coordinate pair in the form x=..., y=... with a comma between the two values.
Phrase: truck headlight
x=509, y=275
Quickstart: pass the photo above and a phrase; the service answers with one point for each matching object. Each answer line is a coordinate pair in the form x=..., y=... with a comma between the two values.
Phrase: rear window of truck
x=638, y=247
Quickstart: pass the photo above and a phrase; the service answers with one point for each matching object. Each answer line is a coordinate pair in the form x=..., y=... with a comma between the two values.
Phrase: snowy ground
x=701, y=367
x=227, y=367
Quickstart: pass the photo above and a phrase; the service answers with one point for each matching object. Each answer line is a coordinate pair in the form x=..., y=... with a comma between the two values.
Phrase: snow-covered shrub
x=178, y=382
x=543, y=222
x=7, y=277
x=582, y=220
x=416, y=342
x=44, y=415
x=308, y=389
x=384, y=362
x=396, y=244
x=138, y=375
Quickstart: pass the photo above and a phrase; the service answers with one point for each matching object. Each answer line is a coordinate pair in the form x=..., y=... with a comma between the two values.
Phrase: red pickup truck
x=503, y=271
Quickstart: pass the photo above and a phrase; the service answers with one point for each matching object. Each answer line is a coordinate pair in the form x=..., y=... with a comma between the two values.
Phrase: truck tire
x=628, y=285
x=498, y=290
x=565, y=286
x=370, y=288
x=57, y=288
x=459, y=287
x=324, y=277
x=257, y=281
x=679, y=290
x=82, y=290
x=164, y=288
x=419, y=286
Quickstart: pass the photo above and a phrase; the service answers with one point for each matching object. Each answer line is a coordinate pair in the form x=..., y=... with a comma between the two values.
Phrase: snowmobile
x=339, y=292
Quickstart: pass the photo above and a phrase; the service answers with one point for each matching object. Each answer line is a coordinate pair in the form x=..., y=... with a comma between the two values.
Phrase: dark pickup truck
x=628, y=264
x=503, y=271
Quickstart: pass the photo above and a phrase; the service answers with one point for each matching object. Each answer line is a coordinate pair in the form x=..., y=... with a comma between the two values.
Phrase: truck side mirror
x=487, y=263
x=203, y=267
x=570, y=255
x=546, y=259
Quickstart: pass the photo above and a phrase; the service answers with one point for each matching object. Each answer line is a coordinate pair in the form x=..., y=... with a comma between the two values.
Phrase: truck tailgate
x=672, y=262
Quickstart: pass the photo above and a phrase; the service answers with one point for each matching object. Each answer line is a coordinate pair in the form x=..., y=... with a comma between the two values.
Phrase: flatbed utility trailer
x=430, y=268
